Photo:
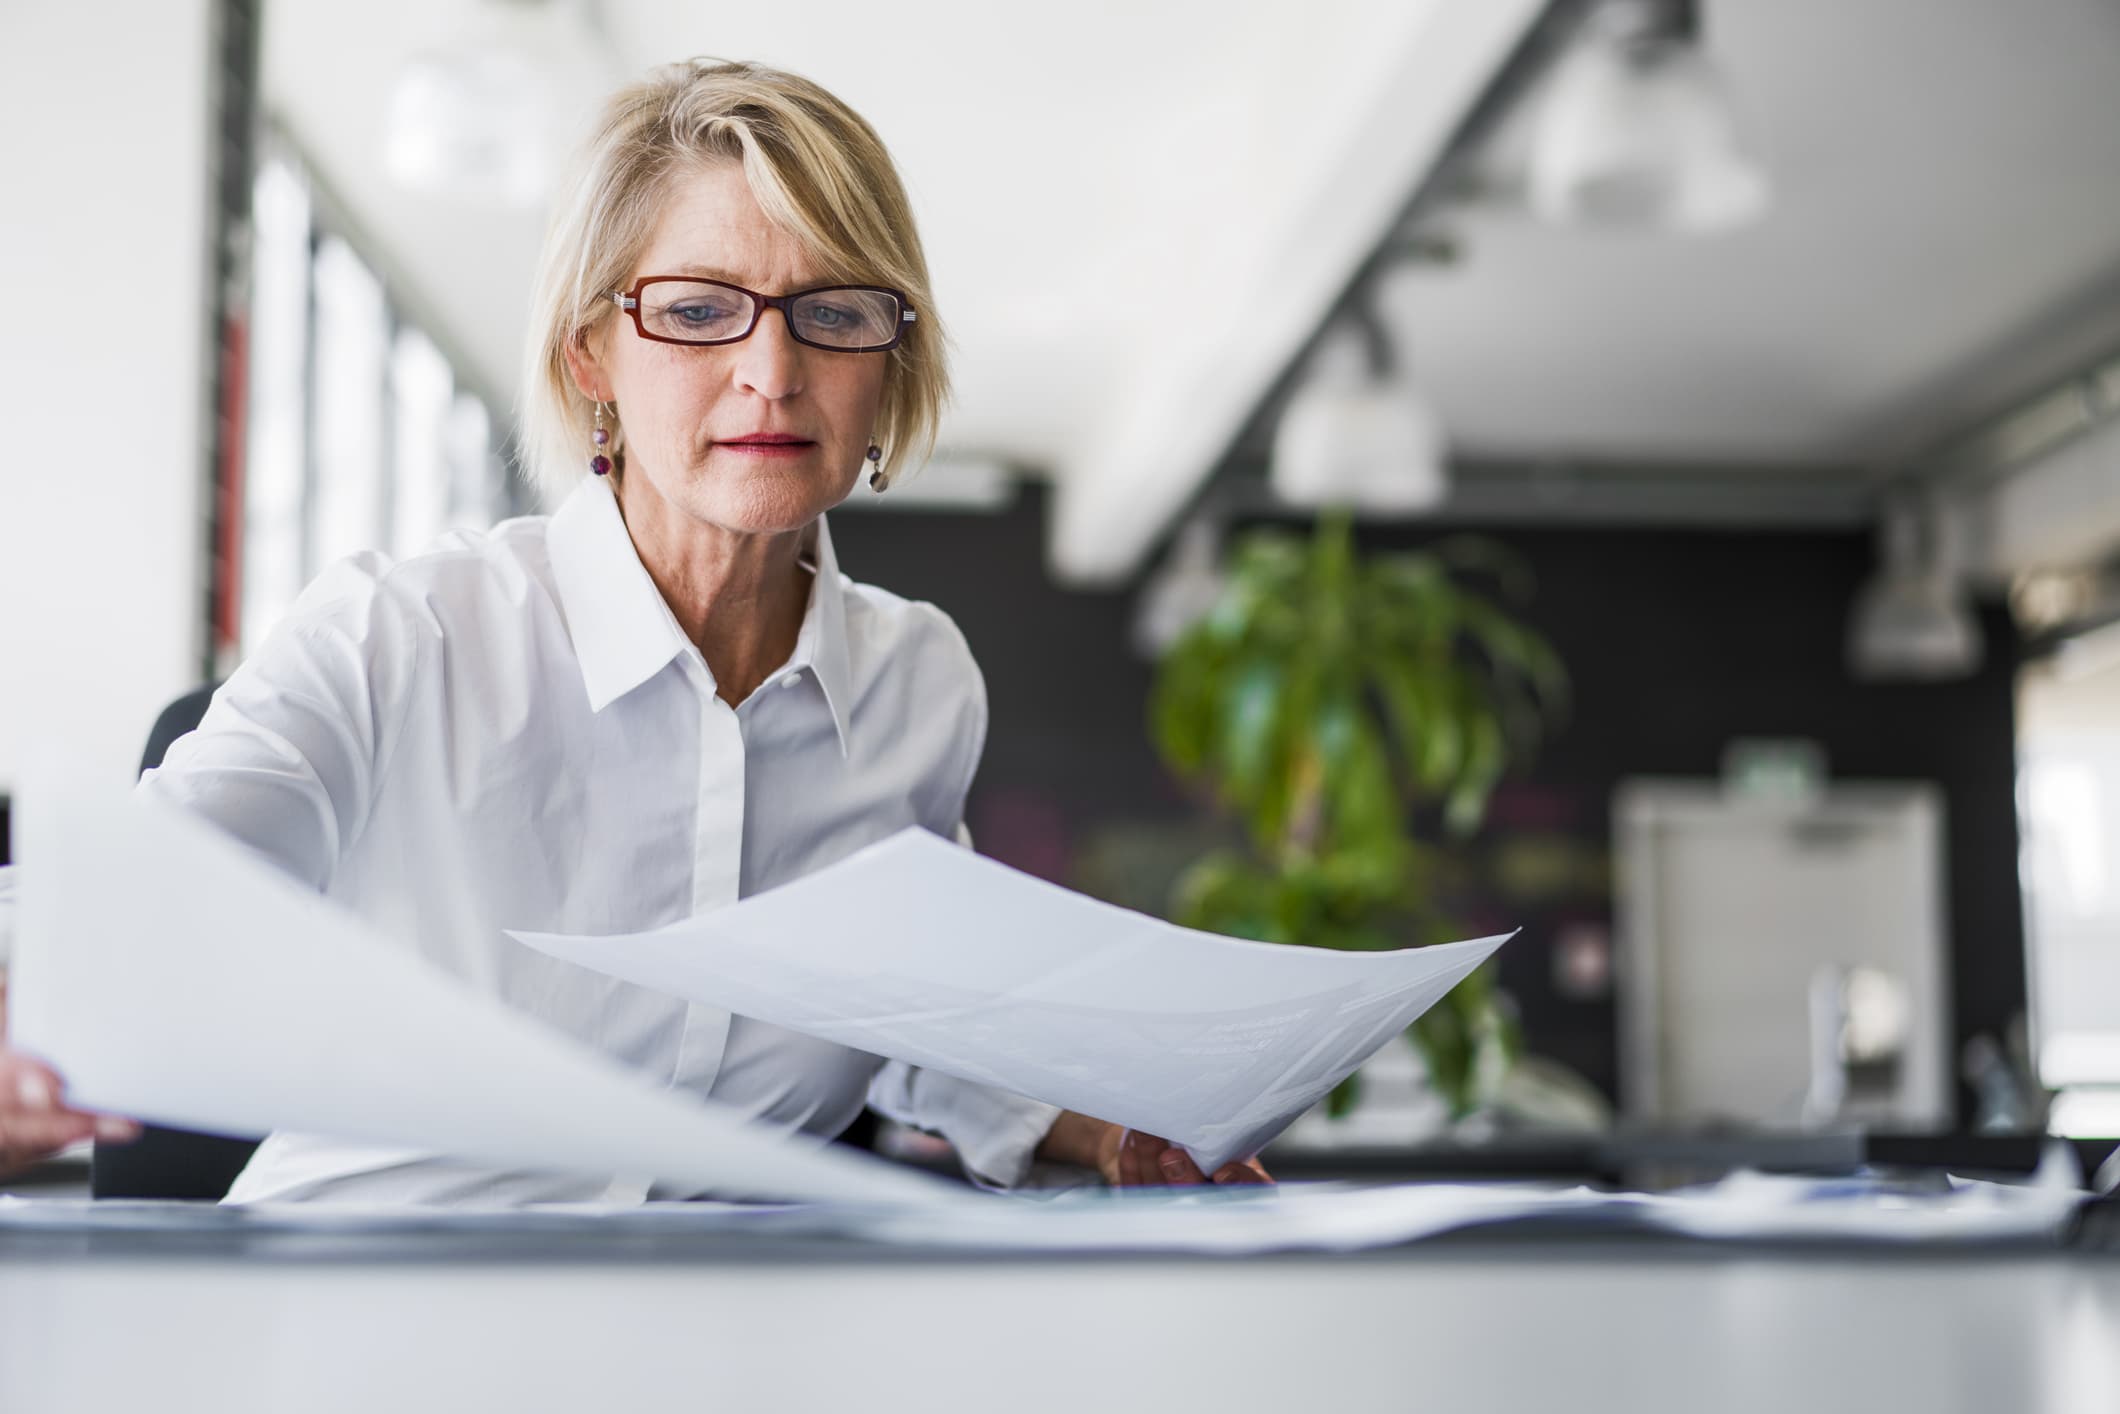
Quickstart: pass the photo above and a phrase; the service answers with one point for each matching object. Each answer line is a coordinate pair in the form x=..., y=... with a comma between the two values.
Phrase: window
x=362, y=433
x=2069, y=801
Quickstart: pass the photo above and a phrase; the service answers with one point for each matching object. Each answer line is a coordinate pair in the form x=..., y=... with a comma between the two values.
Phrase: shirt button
x=792, y=678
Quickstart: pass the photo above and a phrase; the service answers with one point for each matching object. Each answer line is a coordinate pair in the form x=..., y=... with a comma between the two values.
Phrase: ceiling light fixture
x=1913, y=621
x=1355, y=434
x=1638, y=129
x=478, y=118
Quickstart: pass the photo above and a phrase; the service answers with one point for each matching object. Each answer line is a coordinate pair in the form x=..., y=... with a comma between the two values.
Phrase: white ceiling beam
x=1117, y=491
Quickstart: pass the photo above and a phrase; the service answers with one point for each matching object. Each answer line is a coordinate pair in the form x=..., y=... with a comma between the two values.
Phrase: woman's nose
x=769, y=363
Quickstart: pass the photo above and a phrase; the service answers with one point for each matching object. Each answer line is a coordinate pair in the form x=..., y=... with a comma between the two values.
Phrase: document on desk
x=924, y=952
x=173, y=976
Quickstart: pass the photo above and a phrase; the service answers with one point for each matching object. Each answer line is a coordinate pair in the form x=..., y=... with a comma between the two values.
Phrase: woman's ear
x=585, y=364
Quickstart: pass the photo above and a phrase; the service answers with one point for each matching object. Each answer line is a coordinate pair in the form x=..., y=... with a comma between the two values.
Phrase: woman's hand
x=1130, y=1159
x=35, y=1122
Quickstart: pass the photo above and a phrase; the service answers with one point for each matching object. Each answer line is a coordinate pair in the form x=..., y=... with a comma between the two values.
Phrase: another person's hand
x=1128, y=1158
x=35, y=1121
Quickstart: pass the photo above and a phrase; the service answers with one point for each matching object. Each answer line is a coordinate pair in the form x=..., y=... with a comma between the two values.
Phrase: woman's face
x=687, y=410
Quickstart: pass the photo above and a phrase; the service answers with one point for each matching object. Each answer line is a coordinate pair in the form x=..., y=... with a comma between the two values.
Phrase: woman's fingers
x=116, y=1129
x=1148, y=1161
x=1139, y=1160
x=33, y=1124
x=1144, y=1160
x=1134, y=1151
x=27, y=1086
x=1243, y=1171
x=1178, y=1167
x=27, y=1137
x=35, y=1120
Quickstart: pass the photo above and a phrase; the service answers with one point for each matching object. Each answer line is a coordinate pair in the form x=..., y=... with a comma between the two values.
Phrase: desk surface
x=214, y=1318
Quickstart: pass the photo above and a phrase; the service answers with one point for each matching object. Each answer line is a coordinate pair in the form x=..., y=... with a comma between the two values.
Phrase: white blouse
x=512, y=731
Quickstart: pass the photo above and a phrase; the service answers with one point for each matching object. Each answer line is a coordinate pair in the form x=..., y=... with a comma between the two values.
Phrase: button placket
x=717, y=868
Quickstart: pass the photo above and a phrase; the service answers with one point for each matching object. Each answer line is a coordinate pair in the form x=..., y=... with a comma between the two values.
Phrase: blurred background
x=1643, y=472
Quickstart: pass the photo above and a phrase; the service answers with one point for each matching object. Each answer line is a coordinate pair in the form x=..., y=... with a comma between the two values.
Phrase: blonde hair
x=816, y=168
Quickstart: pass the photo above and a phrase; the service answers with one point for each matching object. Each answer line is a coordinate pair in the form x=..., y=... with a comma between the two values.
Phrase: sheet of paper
x=924, y=952
x=1783, y=1208
x=173, y=976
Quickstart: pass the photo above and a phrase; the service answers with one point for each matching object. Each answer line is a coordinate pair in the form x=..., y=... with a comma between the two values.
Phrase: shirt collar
x=624, y=633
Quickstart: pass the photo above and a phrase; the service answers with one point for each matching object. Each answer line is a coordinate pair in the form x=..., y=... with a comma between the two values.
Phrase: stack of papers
x=1228, y=1221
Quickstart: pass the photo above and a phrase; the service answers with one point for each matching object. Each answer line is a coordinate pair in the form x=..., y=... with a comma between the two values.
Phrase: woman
x=663, y=697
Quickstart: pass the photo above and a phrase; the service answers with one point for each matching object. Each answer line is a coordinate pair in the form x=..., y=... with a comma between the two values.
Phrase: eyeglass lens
x=705, y=312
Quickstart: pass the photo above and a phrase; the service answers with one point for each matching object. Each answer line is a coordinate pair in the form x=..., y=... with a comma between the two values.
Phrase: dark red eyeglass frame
x=629, y=301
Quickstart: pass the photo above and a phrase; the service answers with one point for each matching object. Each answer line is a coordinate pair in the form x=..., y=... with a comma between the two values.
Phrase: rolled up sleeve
x=996, y=1134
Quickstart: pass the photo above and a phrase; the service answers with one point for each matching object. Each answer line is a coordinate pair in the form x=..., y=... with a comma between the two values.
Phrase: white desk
x=1459, y=1326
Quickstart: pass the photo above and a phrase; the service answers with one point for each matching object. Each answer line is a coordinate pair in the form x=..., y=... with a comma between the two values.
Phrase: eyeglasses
x=676, y=309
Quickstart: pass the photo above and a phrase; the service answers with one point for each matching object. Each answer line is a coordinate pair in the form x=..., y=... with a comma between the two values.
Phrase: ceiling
x=1137, y=212
x=1944, y=238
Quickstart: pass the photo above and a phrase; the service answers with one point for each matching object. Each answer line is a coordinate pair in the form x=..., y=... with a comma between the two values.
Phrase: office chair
x=170, y=1163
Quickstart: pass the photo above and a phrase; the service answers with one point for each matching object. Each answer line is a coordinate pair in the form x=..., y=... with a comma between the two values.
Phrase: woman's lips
x=773, y=448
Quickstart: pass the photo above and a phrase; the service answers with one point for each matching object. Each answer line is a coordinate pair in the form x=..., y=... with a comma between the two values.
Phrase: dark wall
x=1676, y=640
x=1067, y=751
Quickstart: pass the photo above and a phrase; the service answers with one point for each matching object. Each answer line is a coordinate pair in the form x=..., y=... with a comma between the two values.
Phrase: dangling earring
x=598, y=462
x=878, y=482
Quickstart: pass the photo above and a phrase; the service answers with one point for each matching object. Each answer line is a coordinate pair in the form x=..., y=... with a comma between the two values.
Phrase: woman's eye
x=698, y=313
x=828, y=316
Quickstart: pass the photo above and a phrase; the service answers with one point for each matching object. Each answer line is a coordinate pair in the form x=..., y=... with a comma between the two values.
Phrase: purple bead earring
x=878, y=482
x=598, y=462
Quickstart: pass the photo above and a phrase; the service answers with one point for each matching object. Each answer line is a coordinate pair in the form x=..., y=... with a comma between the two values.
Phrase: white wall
x=103, y=276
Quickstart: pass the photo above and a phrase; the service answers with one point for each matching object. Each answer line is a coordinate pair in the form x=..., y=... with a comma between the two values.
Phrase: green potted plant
x=1329, y=700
